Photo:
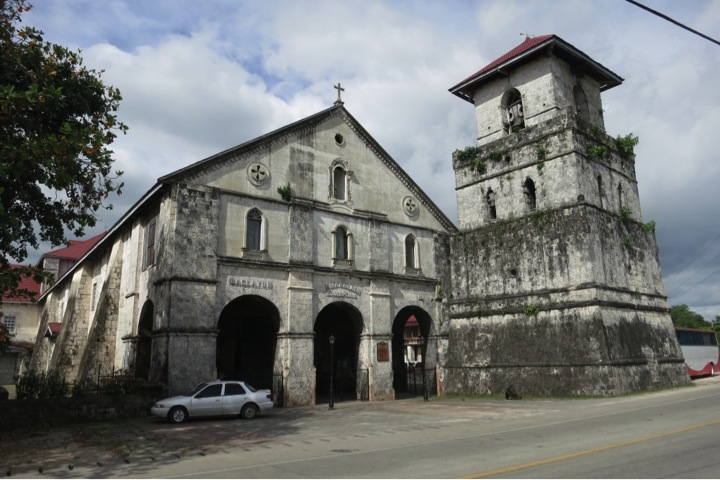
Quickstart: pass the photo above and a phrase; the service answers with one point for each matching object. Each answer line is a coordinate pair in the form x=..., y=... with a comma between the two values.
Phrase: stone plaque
x=383, y=352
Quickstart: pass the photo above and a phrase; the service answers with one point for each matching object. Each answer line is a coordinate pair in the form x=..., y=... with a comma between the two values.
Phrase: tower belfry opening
x=558, y=301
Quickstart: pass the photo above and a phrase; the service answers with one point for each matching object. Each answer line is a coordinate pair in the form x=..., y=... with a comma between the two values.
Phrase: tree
x=57, y=119
x=4, y=337
x=682, y=316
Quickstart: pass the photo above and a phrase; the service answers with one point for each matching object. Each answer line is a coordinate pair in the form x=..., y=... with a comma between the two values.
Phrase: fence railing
x=415, y=380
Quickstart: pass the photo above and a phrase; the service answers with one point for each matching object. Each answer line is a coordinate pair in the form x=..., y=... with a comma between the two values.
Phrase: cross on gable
x=339, y=88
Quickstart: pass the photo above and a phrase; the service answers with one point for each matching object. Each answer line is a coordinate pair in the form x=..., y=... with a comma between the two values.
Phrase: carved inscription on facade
x=250, y=283
x=342, y=290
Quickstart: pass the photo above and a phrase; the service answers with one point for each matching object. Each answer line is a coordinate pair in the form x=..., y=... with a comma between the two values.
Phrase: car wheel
x=249, y=410
x=177, y=415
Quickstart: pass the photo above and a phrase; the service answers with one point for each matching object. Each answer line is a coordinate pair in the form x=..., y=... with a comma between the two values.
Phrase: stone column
x=298, y=370
x=297, y=339
x=379, y=361
x=379, y=336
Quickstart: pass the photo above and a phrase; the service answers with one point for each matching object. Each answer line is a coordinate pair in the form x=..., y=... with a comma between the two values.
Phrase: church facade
x=247, y=264
x=308, y=254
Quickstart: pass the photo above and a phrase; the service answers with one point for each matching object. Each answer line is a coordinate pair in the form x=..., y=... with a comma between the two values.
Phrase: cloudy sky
x=198, y=77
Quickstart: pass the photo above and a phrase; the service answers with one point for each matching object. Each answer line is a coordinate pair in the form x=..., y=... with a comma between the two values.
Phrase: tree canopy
x=57, y=119
x=682, y=316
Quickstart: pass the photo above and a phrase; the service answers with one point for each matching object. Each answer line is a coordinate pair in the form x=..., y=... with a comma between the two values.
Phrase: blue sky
x=200, y=77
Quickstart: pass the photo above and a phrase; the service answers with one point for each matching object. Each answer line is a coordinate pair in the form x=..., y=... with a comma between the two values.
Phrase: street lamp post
x=423, y=349
x=332, y=363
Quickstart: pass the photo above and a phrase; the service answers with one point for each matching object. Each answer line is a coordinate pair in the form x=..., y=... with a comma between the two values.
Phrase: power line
x=698, y=283
x=709, y=297
x=700, y=252
x=655, y=12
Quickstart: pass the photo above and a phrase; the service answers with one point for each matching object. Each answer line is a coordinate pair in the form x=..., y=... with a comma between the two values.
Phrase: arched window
x=150, y=237
x=529, y=192
x=492, y=212
x=253, y=230
x=512, y=107
x=581, y=103
x=339, y=183
x=342, y=244
x=411, y=257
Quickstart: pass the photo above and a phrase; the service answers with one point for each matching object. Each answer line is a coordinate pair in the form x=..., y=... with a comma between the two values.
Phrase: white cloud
x=199, y=77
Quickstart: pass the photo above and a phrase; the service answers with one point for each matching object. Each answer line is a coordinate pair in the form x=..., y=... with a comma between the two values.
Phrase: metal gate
x=411, y=380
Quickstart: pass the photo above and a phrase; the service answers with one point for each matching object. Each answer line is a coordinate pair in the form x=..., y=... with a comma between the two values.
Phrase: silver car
x=219, y=397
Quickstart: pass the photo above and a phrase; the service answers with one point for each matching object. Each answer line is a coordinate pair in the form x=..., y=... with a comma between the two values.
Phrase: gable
x=304, y=156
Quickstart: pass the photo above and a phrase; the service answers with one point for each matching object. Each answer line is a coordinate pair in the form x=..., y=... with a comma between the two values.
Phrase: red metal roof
x=53, y=328
x=26, y=283
x=411, y=321
x=75, y=249
x=529, y=43
x=530, y=46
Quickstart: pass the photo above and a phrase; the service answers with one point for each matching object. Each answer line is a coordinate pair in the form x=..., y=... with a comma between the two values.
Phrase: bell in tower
x=557, y=287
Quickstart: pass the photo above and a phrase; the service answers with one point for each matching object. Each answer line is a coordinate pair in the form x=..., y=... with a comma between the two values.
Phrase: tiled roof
x=529, y=43
x=53, y=329
x=75, y=249
x=532, y=46
x=26, y=283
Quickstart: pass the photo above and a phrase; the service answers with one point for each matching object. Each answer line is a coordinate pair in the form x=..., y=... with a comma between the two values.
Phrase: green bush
x=596, y=151
x=625, y=214
x=626, y=145
x=468, y=153
x=28, y=385
x=82, y=388
x=32, y=385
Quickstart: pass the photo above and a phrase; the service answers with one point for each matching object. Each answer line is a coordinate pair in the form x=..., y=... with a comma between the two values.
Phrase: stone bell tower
x=557, y=287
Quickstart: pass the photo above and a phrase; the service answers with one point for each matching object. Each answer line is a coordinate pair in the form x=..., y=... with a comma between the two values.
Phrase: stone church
x=309, y=250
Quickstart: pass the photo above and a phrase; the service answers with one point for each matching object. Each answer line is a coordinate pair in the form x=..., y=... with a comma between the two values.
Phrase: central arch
x=247, y=340
x=344, y=322
x=410, y=325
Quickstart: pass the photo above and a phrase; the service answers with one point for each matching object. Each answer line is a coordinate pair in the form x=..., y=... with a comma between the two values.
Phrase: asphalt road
x=672, y=433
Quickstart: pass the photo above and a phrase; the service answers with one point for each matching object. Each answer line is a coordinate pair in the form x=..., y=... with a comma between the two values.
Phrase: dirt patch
x=126, y=439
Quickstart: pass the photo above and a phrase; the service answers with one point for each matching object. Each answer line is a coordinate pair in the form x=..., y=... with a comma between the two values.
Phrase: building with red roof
x=21, y=314
x=61, y=260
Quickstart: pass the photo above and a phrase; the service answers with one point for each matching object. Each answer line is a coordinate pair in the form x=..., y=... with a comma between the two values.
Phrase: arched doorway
x=344, y=323
x=247, y=340
x=143, y=347
x=411, y=328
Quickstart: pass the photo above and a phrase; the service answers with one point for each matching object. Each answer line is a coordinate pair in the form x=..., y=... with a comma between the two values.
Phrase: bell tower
x=556, y=281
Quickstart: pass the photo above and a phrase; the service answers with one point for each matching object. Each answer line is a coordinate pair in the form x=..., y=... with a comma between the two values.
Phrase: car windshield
x=250, y=387
x=197, y=389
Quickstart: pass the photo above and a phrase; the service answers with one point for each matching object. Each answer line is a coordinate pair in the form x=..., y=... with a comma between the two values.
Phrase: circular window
x=513, y=272
x=339, y=139
x=257, y=173
x=410, y=206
